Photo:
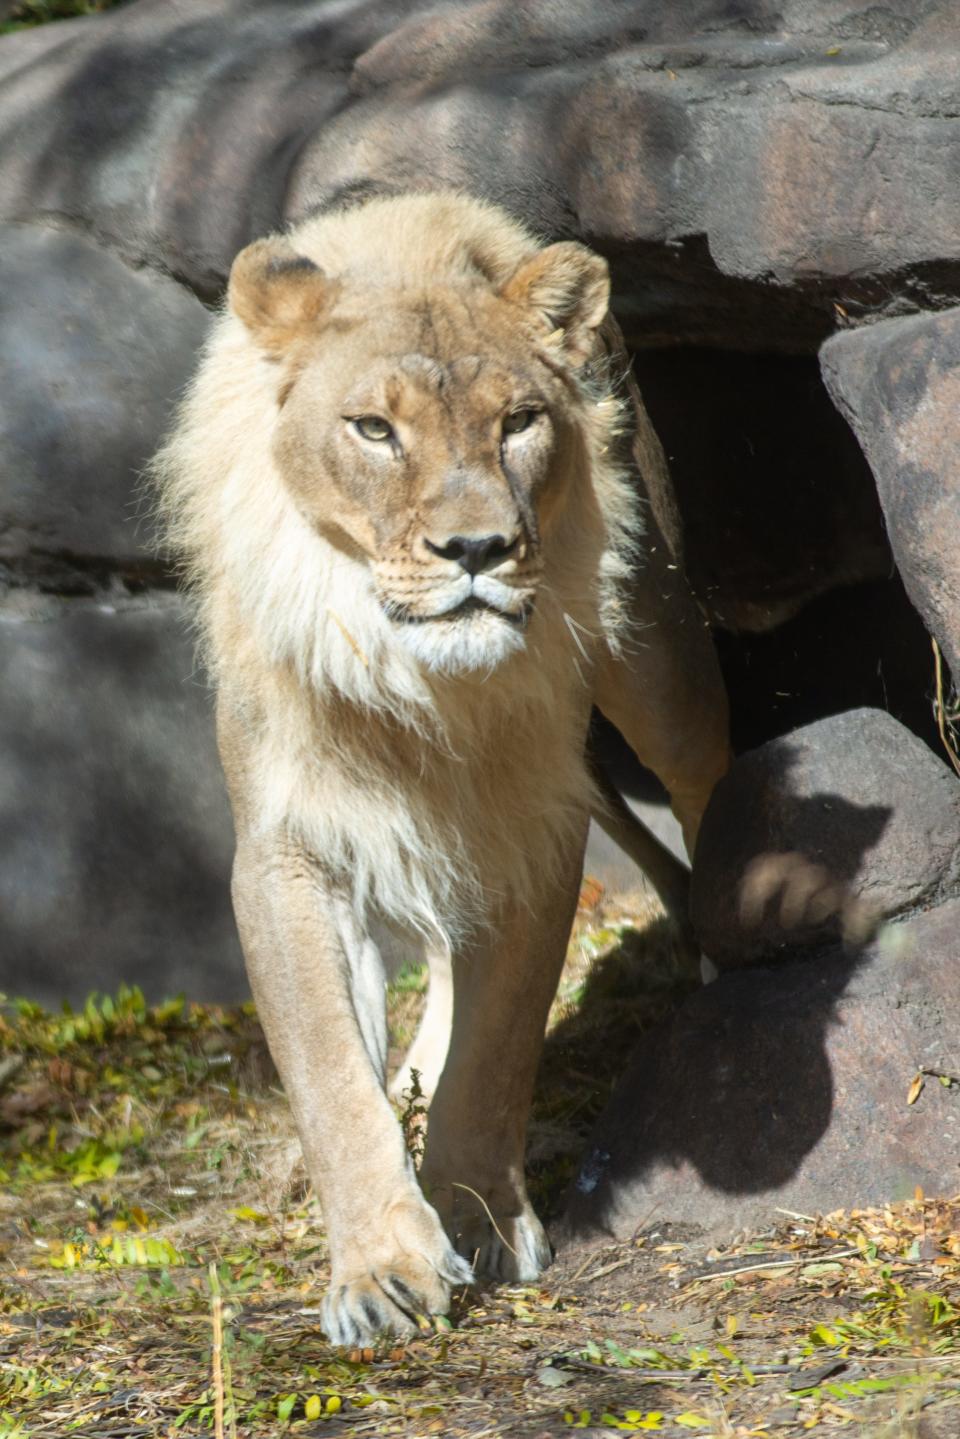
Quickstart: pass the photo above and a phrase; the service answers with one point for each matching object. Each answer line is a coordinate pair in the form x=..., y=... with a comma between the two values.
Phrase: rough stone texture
x=745, y=166
x=898, y=384
x=787, y=1087
x=91, y=355
x=115, y=835
x=855, y=793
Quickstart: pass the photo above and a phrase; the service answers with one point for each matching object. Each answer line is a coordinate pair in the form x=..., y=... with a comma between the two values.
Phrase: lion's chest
x=439, y=835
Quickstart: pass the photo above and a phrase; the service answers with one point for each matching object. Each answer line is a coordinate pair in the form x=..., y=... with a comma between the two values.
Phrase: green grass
x=28, y=14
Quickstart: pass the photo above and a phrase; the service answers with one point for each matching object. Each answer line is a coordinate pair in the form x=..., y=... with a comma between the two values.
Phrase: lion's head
x=401, y=458
x=423, y=427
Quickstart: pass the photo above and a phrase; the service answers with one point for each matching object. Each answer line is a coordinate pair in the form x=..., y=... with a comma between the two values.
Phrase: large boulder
x=92, y=355
x=853, y=801
x=115, y=834
x=788, y=1087
x=898, y=384
x=747, y=168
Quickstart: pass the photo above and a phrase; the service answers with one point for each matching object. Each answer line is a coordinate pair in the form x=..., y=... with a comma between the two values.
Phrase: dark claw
x=401, y=1294
x=372, y=1315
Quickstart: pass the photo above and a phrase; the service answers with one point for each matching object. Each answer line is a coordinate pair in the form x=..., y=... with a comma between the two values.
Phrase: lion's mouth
x=471, y=606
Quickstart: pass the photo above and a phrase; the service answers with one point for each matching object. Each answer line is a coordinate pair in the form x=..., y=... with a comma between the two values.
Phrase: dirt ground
x=161, y=1260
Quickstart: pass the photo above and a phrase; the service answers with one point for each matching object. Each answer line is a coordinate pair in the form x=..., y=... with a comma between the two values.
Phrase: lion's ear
x=278, y=293
x=569, y=287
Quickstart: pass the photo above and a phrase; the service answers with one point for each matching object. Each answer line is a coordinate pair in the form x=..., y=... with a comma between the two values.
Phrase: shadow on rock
x=735, y=1090
x=632, y=991
x=787, y=1087
x=808, y=831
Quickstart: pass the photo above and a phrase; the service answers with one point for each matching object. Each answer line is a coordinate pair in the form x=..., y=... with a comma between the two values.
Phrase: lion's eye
x=518, y=421
x=371, y=427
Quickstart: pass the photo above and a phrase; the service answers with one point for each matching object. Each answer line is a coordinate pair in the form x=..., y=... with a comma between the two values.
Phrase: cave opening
x=786, y=549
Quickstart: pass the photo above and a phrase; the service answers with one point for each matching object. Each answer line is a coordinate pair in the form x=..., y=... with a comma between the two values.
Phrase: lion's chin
x=463, y=643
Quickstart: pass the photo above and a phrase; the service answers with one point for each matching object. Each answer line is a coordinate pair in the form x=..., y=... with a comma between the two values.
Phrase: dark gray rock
x=173, y=131
x=787, y=1087
x=855, y=795
x=898, y=384
x=115, y=834
x=746, y=168
x=92, y=354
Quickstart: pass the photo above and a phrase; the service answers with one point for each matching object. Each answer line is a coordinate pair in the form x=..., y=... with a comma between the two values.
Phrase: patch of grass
x=406, y=996
x=95, y=1086
x=29, y=13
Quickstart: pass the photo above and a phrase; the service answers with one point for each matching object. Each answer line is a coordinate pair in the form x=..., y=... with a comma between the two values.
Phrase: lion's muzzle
x=474, y=555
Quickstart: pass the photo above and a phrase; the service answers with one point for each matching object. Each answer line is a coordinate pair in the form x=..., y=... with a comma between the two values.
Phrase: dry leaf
x=913, y=1093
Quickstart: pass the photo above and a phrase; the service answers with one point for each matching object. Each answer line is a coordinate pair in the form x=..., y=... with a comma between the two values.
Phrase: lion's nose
x=475, y=554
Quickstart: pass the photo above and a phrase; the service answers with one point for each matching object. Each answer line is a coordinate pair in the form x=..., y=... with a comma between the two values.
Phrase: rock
x=92, y=354
x=746, y=168
x=855, y=794
x=172, y=132
x=115, y=834
x=898, y=384
x=787, y=1087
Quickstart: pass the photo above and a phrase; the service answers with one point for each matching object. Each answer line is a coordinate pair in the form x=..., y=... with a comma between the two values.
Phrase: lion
x=428, y=528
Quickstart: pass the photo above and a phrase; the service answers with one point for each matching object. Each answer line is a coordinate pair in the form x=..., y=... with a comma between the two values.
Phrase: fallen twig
x=798, y=1260
x=608, y=1269
x=499, y=1232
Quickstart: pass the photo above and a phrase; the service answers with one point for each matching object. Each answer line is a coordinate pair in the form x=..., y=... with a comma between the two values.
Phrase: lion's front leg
x=318, y=984
x=473, y=1166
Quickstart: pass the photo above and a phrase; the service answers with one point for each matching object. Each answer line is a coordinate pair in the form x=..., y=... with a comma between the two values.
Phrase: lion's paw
x=394, y=1300
x=394, y=1292
x=513, y=1250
